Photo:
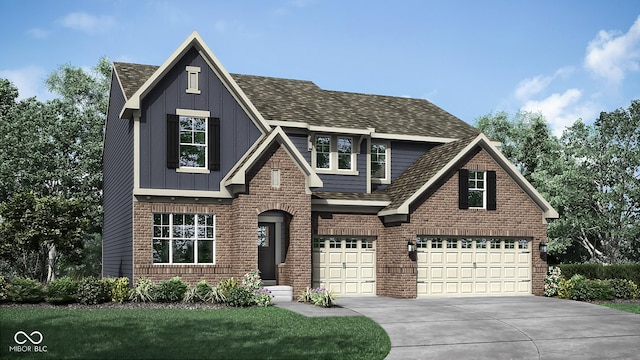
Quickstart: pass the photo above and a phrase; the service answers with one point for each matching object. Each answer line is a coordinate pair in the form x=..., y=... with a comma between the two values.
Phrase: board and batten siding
x=335, y=182
x=238, y=132
x=117, y=236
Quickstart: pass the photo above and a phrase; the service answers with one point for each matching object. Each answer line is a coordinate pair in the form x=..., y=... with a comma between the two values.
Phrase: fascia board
x=404, y=207
x=181, y=193
x=312, y=179
x=389, y=136
x=341, y=202
x=548, y=211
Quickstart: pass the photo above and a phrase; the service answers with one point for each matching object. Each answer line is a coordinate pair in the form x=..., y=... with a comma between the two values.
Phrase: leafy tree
x=54, y=149
x=31, y=227
x=602, y=205
x=591, y=176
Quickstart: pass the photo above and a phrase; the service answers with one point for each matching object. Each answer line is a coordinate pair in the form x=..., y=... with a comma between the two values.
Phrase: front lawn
x=628, y=307
x=250, y=333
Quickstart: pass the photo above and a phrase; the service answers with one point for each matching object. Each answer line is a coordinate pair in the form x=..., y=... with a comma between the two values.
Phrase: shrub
x=565, y=287
x=91, y=291
x=26, y=290
x=117, y=288
x=143, y=291
x=600, y=290
x=4, y=289
x=318, y=296
x=215, y=295
x=62, y=290
x=263, y=297
x=623, y=289
x=252, y=280
x=603, y=272
x=172, y=290
x=551, y=281
x=240, y=297
x=202, y=292
x=227, y=287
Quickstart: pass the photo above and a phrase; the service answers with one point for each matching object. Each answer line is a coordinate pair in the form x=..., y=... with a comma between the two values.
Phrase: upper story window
x=477, y=189
x=380, y=162
x=193, y=73
x=183, y=238
x=193, y=141
x=334, y=154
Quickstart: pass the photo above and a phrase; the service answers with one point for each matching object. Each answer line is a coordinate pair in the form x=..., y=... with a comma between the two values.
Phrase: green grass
x=253, y=333
x=632, y=308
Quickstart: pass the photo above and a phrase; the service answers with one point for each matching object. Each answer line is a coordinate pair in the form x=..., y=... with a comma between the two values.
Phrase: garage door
x=473, y=266
x=345, y=265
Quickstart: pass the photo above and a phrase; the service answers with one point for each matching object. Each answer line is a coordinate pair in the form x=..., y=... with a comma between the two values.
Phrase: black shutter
x=491, y=190
x=173, y=141
x=463, y=189
x=214, y=143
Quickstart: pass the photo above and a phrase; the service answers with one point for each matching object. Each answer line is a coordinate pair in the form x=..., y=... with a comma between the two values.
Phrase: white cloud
x=562, y=110
x=29, y=80
x=537, y=84
x=88, y=23
x=38, y=33
x=611, y=55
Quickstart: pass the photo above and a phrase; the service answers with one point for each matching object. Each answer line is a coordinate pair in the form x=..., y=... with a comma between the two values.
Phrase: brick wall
x=236, y=251
x=396, y=276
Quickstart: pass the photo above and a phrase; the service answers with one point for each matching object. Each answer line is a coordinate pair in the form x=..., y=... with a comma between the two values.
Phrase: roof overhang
x=486, y=144
x=195, y=41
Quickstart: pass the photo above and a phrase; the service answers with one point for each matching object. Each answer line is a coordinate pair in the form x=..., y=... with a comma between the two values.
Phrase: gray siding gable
x=238, y=132
x=117, y=235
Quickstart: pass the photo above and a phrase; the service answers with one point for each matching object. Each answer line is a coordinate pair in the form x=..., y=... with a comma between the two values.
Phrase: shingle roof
x=303, y=101
x=420, y=172
x=133, y=76
x=374, y=196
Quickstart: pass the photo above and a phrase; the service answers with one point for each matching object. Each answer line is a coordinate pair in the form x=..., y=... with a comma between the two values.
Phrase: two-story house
x=208, y=175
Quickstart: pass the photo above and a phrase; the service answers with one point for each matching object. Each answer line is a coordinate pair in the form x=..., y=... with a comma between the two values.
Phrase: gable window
x=334, y=154
x=380, y=165
x=193, y=141
x=183, y=238
x=193, y=72
x=477, y=189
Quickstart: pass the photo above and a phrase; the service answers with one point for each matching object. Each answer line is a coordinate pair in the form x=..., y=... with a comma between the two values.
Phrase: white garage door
x=345, y=265
x=473, y=266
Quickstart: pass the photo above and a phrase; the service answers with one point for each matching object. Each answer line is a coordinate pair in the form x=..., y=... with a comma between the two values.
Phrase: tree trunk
x=52, y=264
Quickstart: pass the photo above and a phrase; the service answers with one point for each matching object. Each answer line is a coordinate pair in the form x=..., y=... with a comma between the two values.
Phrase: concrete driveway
x=522, y=327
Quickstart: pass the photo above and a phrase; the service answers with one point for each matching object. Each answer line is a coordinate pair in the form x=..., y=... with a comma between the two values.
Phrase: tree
x=55, y=148
x=603, y=194
x=591, y=176
x=30, y=227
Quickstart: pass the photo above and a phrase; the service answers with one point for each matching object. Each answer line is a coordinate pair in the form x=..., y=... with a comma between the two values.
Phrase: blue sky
x=568, y=59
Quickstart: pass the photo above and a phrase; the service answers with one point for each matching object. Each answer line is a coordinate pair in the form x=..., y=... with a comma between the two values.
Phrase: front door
x=267, y=250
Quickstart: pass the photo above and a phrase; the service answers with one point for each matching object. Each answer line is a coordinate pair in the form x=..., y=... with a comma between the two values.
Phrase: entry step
x=281, y=293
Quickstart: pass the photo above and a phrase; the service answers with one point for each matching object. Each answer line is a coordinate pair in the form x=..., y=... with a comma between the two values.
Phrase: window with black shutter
x=173, y=141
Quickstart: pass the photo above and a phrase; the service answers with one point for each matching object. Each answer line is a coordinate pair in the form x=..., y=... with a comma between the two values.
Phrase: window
x=467, y=243
x=436, y=243
x=323, y=152
x=452, y=243
x=193, y=73
x=345, y=148
x=380, y=166
x=183, y=238
x=193, y=142
x=334, y=154
x=476, y=189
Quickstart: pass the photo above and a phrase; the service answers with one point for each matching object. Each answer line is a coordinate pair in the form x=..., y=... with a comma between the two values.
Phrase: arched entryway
x=273, y=243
